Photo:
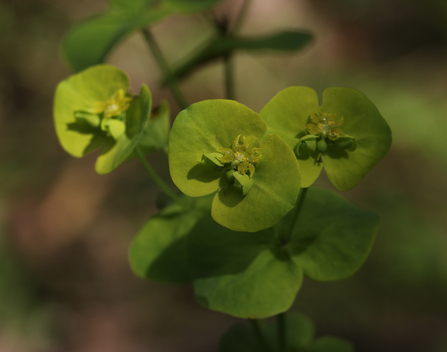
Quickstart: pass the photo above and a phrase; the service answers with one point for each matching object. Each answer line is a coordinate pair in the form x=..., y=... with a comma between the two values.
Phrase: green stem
x=228, y=59
x=296, y=213
x=282, y=332
x=229, y=78
x=171, y=81
x=158, y=180
x=259, y=335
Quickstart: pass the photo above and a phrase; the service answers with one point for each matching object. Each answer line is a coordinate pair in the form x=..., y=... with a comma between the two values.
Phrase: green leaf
x=131, y=5
x=89, y=42
x=239, y=337
x=242, y=337
x=332, y=237
x=287, y=41
x=289, y=111
x=203, y=128
x=285, y=115
x=299, y=332
x=220, y=46
x=372, y=134
x=183, y=6
x=80, y=93
x=242, y=274
x=276, y=184
x=190, y=6
x=158, y=252
x=330, y=344
x=116, y=128
x=114, y=153
x=155, y=134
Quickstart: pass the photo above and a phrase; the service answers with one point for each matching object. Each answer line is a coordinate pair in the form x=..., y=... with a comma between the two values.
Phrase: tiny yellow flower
x=325, y=125
x=115, y=106
x=240, y=156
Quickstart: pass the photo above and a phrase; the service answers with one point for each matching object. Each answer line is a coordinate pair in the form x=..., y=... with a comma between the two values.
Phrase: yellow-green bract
x=212, y=125
x=346, y=134
x=93, y=109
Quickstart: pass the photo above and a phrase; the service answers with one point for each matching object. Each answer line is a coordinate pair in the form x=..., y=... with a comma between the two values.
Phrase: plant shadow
x=203, y=174
x=97, y=137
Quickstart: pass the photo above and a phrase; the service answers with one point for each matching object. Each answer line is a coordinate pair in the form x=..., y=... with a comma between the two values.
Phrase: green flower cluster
x=347, y=135
x=249, y=169
x=216, y=146
x=93, y=109
x=257, y=163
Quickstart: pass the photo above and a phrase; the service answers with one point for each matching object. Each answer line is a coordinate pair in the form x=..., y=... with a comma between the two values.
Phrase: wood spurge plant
x=246, y=228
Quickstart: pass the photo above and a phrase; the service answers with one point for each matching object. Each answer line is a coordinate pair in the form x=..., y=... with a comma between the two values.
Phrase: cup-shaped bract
x=220, y=145
x=93, y=108
x=347, y=135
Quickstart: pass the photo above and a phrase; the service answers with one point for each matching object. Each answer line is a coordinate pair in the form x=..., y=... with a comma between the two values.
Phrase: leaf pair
x=253, y=275
x=290, y=111
x=209, y=126
x=92, y=109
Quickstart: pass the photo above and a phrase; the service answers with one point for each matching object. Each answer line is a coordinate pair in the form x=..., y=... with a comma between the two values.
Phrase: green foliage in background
x=224, y=45
x=89, y=42
x=300, y=338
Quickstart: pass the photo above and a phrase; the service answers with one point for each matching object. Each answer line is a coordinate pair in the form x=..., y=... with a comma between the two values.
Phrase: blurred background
x=65, y=281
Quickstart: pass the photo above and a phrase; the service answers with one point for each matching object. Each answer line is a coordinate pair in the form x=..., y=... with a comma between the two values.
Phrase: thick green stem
x=260, y=336
x=171, y=81
x=158, y=180
x=282, y=332
x=229, y=78
x=296, y=213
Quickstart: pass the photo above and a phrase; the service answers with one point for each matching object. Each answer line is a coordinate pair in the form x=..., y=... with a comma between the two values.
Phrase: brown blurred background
x=65, y=281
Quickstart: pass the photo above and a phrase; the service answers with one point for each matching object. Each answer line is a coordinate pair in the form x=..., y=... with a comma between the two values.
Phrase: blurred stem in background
x=259, y=335
x=282, y=332
x=179, y=98
x=167, y=72
x=228, y=59
x=297, y=209
x=157, y=178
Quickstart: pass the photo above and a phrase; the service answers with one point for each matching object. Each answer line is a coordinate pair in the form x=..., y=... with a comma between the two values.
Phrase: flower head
x=316, y=136
x=324, y=124
x=220, y=146
x=114, y=106
x=92, y=109
x=240, y=158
